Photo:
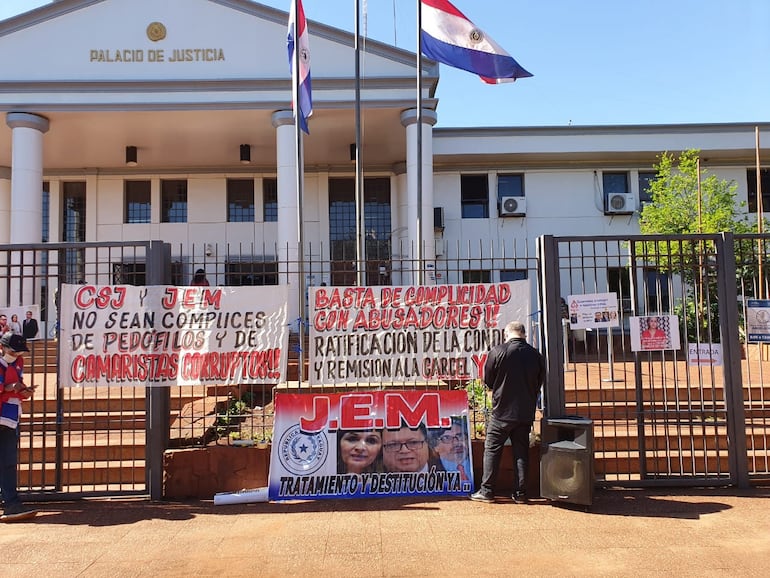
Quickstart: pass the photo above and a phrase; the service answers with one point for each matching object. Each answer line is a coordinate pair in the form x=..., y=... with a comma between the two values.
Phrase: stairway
x=102, y=429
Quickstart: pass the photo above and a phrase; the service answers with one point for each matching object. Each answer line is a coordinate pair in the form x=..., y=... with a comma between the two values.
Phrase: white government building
x=142, y=119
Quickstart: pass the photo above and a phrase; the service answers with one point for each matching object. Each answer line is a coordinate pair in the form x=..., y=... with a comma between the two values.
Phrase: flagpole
x=300, y=174
x=360, y=225
x=760, y=212
x=419, y=144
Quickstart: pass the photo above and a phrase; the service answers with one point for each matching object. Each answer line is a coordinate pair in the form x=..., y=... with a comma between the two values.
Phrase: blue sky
x=594, y=62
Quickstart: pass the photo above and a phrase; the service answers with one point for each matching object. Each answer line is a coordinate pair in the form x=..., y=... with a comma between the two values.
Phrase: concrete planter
x=202, y=472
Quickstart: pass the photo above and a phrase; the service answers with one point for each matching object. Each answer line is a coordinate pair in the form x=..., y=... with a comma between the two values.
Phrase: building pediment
x=73, y=53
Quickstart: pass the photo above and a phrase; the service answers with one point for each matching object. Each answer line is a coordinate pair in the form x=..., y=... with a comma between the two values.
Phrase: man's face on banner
x=404, y=450
x=452, y=445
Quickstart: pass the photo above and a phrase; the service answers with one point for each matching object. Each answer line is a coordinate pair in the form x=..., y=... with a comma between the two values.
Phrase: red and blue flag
x=449, y=37
x=305, y=108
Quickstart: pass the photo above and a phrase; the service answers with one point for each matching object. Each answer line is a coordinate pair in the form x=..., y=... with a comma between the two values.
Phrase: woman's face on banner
x=359, y=450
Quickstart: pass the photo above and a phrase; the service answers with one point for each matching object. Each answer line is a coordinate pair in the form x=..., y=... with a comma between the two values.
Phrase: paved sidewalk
x=688, y=532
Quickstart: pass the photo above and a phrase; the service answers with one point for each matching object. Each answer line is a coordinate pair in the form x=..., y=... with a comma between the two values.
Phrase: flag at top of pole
x=305, y=108
x=449, y=37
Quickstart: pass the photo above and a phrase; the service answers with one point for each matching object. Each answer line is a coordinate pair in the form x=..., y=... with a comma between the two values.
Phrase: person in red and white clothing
x=13, y=391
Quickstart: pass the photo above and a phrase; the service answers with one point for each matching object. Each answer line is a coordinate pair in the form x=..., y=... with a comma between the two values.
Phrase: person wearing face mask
x=13, y=391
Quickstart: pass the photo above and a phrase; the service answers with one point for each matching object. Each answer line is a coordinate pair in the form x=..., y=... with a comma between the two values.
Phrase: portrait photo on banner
x=654, y=333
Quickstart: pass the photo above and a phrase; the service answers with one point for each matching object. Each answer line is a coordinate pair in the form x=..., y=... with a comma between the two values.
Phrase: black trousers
x=498, y=432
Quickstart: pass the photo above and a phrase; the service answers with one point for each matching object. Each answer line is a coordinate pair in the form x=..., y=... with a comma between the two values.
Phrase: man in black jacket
x=514, y=371
x=29, y=327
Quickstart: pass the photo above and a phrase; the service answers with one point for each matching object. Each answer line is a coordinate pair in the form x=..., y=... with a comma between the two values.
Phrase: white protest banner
x=158, y=335
x=408, y=333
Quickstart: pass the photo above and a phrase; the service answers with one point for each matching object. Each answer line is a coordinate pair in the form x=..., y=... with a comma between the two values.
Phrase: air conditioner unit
x=620, y=203
x=438, y=218
x=513, y=206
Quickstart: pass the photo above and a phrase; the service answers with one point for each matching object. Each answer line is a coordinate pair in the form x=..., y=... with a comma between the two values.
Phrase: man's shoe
x=16, y=512
x=519, y=498
x=482, y=497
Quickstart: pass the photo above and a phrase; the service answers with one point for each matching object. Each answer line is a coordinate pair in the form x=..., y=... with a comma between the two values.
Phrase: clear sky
x=594, y=61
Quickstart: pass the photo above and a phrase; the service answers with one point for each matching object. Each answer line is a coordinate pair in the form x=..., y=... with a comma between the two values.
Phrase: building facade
x=136, y=119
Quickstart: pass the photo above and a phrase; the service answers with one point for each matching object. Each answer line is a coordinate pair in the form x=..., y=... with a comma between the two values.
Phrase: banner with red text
x=160, y=335
x=409, y=333
x=370, y=444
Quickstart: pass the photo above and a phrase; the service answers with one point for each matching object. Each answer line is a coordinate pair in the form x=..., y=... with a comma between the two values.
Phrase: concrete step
x=97, y=473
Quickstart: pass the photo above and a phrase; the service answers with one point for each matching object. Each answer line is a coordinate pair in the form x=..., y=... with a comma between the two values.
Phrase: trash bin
x=567, y=459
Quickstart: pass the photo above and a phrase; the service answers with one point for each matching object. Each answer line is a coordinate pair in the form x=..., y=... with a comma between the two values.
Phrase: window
x=513, y=275
x=240, y=200
x=656, y=291
x=137, y=208
x=74, y=212
x=241, y=273
x=764, y=178
x=510, y=186
x=614, y=183
x=73, y=230
x=619, y=282
x=477, y=276
x=342, y=230
x=173, y=198
x=270, y=200
x=646, y=178
x=474, y=196
x=135, y=273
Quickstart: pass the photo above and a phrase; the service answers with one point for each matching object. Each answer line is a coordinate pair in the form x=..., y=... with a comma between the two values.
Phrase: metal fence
x=658, y=417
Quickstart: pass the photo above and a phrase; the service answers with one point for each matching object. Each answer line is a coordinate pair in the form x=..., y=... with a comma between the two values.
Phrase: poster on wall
x=654, y=333
x=370, y=444
x=593, y=310
x=409, y=333
x=125, y=335
x=758, y=320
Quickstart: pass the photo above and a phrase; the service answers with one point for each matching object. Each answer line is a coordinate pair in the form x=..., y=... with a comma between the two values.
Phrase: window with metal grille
x=240, y=200
x=646, y=178
x=510, y=186
x=270, y=200
x=513, y=275
x=137, y=207
x=613, y=184
x=135, y=273
x=377, y=230
x=477, y=276
x=256, y=272
x=474, y=196
x=173, y=201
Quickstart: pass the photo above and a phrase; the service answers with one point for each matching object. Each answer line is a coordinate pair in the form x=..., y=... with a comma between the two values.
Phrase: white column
x=5, y=205
x=26, y=196
x=409, y=120
x=27, y=176
x=288, y=227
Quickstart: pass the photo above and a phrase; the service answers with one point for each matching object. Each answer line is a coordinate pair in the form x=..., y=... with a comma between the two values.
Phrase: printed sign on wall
x=654, y=333
x=593, y=310
x=371, y=444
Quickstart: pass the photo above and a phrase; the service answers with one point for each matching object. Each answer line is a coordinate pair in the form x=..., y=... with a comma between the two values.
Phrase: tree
x=674, y=207
x=680, y=207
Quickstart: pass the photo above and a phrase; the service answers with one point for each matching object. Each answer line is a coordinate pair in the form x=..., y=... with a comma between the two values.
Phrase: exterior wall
x=560, y=201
